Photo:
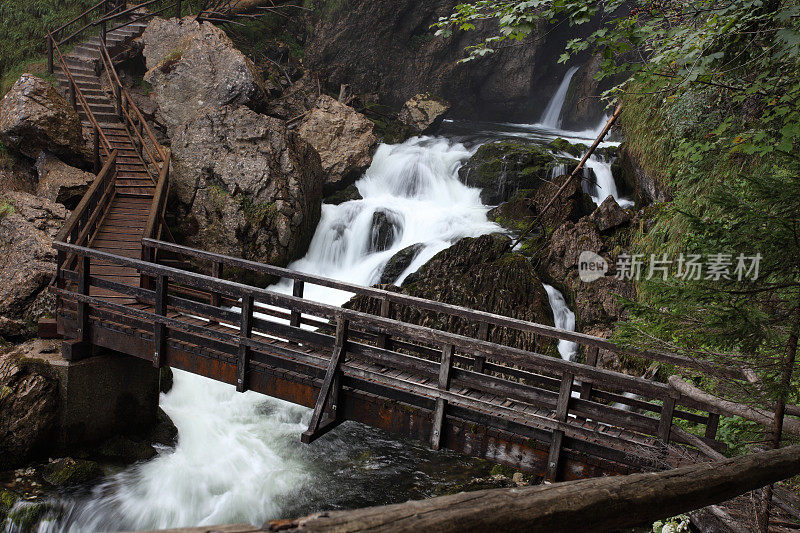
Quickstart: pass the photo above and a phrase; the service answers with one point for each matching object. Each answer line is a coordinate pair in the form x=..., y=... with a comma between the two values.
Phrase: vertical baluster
x=178, y=8
x=483, y=335
x=383, y=338
x=96, y=149
x=245, y=331
x=591, y=360
x=665, y=422
x=445, y=366
x=297, y=291
x=50, y=52
x=118, y=98
x=83, y=307
x=712, y=425
x=562, y=411
x=72, y=98
x=160, y=330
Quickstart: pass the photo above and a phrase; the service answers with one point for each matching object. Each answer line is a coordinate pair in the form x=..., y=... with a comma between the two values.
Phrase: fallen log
x=598, y=504
x=727, y=407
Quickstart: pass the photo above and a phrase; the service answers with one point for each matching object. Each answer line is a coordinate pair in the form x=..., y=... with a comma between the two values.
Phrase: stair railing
x=99, y=140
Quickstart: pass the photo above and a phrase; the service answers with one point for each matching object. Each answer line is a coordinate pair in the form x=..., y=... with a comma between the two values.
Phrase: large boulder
x=480, y=273
x=344, y=139
x=29, y=402
x=194, y=67
x=59, y=182
x=423, y=112
x=35, y=117
x=245, y=185
x=503, y=168
x=27, y=227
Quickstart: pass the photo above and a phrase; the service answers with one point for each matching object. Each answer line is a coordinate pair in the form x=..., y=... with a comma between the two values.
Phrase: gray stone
x=610, y=215
x=344, y=139
x=423, y=112
x=35, y=117
x=59, y=182
x=399, y=263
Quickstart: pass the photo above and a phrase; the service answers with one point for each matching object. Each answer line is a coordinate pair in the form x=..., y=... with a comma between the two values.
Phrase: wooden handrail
x=88, y=110
x=440, y=307
x=93, y=8
x=159, y=202
x=83, y=205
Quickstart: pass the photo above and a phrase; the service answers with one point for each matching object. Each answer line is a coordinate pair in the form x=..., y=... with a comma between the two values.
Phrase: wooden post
x=216, y=272
x=712, y=425
x=178, y=9
x=83, y=307
x=72, y=99
x=383, y=340
x=562, y=410
x=160, y=330
x=483, y=335
x=245, y=331
x=591, y=360
x=96, y=149
x=329, y=391
x=118, y=97
x=665, y=422
x=297, y=291
x=445, y=366
x=50, y=52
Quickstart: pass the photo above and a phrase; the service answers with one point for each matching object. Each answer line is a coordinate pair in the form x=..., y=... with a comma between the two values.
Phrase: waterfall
x=604, y=184
x=551, y=118
x=563, y=319
x=238, y=457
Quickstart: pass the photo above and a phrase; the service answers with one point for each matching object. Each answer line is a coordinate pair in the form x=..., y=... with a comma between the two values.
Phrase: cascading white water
x=604, y=185
x=238, y=457
x=551, y=118
x=563, y=318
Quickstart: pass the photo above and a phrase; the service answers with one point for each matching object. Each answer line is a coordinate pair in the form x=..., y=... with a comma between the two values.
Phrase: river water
x=238, y=456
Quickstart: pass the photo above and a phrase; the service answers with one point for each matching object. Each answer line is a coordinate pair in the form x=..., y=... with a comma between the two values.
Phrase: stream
x=239, y=457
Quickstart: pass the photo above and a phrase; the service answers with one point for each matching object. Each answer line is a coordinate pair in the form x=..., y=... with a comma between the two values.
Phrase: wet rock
x=345, y=195
x=164, y=432
x=29, y=403
x=610, y=215
x=59, y=182
x=194, y=67
x=629, y=173
x=7, y=500
x=25, y=516
x=126, y=450
x=344, y=139
x=27, y=227
x=35, y=117
x=503, y=168
x=165, y=379
x=68, y=471
x=387, y=227
x=563, y=145
x=516, y=215
x=245, y=185
x=399, y=263
x=480, y=273
x=423, y=112
x=582, y=104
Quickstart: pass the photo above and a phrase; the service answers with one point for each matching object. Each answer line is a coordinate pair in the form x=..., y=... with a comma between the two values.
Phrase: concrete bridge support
x=104, y=395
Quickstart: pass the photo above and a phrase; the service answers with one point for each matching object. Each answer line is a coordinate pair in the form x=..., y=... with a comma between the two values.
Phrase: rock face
x=344, y=139
x=647, y=189
x=399, y=263
x=194, y=66
x=35, y=117
x=480, y=273
x=503, y=168
x=386, y=229
x=26, y=236
x=245, y=186
x=423, y=112
x=59, y=182
x=403, y=58
x=29, y=403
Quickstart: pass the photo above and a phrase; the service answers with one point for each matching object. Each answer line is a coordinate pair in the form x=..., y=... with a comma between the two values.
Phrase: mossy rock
x=563, y=145
x=164, y=432
x=501, y=169
x=26, y=517
x=345, y=195
x=67, y=471
x=126, y=450
x=7, y=500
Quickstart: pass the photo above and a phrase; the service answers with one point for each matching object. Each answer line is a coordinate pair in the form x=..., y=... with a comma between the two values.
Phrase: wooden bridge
x=120, y=287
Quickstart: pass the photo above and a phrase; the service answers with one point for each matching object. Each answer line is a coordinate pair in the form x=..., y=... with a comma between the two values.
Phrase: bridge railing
x=241, y=322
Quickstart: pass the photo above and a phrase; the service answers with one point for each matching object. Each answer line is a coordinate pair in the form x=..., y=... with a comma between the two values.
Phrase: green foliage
x=6, y=208
x=23, y=26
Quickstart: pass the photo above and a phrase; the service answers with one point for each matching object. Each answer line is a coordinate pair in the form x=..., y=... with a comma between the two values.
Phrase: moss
x=6, y=208
x=257, y=214
x=65, y=472
x=503, y=470
x=7, y=501
x=345, y=195
x=563, y=145
x=26, y=517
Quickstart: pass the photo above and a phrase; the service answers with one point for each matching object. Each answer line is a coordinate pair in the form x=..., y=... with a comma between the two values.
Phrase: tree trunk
x=787, y=369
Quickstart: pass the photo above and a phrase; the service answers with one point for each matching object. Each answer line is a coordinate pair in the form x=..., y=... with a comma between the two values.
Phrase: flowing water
x=551, y=118
x=238, y=457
